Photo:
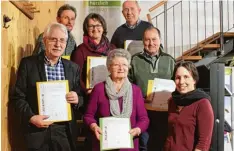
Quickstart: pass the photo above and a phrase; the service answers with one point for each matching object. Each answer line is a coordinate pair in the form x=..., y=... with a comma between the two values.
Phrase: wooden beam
x=25, y=7
x=191, y=58
x=157, y=5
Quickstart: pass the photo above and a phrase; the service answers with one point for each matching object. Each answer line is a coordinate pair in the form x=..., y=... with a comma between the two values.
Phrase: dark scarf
x=102, y=48
x=189, y=98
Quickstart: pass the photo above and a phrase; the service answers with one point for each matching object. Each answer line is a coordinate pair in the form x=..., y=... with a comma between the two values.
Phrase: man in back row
x=66, y=15
x=147, y=65
x=133, y=28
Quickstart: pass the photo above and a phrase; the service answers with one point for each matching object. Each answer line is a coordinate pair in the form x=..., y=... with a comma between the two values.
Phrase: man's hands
x=72, y=97
x=38, y=121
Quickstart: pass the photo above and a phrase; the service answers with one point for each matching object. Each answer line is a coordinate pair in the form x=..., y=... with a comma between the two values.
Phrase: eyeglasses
x=69, y=19
x=93, y=26
x=119, y=65
x=55, y=40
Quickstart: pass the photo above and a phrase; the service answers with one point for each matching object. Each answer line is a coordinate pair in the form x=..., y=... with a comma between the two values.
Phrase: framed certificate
x=115, y=133
x=66, y=57
x=96, y=71
x=52, y=100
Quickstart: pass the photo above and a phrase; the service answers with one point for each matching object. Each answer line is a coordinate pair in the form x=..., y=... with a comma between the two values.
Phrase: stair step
x=79, y=121
x=80, y=139
x=228, y=34
x=191, y=58
x=211, y=46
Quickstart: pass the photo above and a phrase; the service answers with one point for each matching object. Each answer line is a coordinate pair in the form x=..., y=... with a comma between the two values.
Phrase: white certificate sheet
x=159, y=93
x=96, y=71
x=115, y=133
x=52, y=100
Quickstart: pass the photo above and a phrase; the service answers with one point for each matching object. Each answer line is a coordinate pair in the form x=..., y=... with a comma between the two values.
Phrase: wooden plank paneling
x=18, y=41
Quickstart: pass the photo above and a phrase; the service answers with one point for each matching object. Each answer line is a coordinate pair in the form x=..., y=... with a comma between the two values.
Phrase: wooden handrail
x=157, y=5
x=149, y=18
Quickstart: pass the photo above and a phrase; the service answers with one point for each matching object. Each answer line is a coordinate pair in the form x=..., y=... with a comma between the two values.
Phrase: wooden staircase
x=209, y=44
x=81, y=138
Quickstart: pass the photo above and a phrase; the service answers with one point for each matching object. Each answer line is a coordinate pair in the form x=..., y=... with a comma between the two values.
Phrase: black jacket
x=24, y=99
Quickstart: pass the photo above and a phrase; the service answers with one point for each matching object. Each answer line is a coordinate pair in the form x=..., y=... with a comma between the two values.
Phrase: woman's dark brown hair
x=190, y=66
x=97, y=17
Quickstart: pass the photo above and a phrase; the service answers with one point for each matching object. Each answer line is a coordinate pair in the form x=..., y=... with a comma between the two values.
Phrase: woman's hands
x=135, y=131
x=96, y=129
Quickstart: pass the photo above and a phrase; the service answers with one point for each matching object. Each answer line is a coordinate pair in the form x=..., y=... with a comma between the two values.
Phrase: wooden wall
x=18, y=41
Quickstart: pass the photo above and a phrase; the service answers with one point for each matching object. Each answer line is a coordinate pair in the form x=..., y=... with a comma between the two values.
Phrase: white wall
x=119, y=19
x=196, y=32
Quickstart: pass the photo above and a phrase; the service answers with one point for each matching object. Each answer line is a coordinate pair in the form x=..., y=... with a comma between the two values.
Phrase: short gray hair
x=136, y=2
x=66, y=7
x=118, y=53
x=52, y=26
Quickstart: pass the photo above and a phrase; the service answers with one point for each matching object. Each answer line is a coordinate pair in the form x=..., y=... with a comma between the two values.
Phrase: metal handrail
x=166, y=9
x=192, y=37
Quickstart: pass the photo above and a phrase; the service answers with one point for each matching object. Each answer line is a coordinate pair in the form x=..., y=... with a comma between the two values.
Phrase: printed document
x=52, y=100
x=115, y=133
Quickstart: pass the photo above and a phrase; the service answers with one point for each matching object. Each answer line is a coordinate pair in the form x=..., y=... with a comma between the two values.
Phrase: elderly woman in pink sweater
x=117, y=97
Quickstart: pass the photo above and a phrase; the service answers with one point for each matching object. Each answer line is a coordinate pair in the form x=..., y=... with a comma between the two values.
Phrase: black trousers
x=56, y=139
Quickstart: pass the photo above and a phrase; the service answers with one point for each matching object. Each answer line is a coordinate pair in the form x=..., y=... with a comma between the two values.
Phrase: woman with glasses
x=95, y=43
x=117, y=97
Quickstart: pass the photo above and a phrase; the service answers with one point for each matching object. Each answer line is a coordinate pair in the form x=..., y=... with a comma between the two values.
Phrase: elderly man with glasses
x=42, y=135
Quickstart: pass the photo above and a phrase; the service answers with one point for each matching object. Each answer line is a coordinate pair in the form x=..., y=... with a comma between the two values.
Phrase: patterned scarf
x=102, y=48
x=125, y=92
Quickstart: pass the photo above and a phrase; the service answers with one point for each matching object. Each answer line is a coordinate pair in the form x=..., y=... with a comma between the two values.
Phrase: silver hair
x=52, y=26
x=118, y=53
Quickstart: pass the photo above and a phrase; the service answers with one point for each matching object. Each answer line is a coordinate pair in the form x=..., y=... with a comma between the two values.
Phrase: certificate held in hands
x=52, y=100
x=115, y=133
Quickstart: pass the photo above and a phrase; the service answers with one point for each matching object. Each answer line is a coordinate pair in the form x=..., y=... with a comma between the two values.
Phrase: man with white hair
x=134, y=27
x=43, y=135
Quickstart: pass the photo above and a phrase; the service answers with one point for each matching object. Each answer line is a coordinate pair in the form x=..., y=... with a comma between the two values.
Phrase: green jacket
x=142, y=69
